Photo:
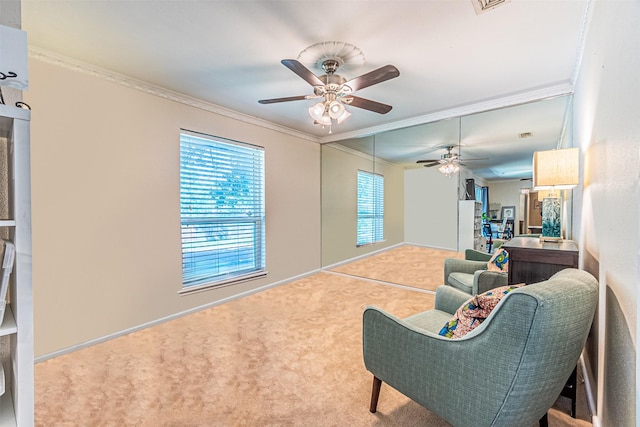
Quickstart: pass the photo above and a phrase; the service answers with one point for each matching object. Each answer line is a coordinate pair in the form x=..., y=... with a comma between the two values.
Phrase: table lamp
x=553, y=171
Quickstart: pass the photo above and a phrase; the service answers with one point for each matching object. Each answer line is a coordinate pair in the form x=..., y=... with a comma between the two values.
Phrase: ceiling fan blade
x=431, y=165
x=373, y=77
x=367, y=104
x=428, y=161
x=287, y=99
x=302, y=71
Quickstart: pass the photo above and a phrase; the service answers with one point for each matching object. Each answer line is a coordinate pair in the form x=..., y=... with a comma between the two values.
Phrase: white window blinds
x=370, y=208
x=221, y=209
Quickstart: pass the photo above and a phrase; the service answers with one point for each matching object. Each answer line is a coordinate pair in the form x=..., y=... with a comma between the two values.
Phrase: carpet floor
x=287, y=356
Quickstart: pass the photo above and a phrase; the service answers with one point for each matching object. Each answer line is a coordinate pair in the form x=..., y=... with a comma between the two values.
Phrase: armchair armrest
x=391, y=344
x=461, y=266
x=449, y=299
x=484, y=280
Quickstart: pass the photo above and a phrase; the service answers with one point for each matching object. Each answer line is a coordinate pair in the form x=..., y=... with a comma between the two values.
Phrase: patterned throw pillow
x=473, y=312
x=499, y=261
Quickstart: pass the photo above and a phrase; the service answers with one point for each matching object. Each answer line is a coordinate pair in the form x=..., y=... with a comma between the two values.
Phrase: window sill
x=221, y=284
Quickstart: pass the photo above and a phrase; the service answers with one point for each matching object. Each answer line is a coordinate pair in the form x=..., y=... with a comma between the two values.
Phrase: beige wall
x=106, y=219
x=339, y=195
x=606, y=217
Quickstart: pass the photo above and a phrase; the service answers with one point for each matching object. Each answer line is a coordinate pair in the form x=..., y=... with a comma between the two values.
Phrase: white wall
x=431, y=208
x=607, y=205
x=106, y=219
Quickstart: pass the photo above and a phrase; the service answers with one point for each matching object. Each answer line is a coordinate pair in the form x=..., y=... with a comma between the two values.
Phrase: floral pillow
x=473, y=312
x=499, y=261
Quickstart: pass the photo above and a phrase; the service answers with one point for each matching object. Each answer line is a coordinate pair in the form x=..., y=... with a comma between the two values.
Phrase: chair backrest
x=486, y=230
x=536, y=335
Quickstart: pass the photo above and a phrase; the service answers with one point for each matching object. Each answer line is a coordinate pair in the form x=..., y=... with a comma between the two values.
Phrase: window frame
x=233, y=171
x=377, y=210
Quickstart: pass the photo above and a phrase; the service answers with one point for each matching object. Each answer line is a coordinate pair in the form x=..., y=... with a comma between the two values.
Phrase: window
x=370, y=208
x=478, y=194
x=221, y=210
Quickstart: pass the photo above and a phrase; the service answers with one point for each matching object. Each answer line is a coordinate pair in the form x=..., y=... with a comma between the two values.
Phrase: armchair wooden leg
x=375, y=393
x=544, y=421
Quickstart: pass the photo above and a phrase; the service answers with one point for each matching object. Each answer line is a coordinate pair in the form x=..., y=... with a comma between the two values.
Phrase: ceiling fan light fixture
x=317, y=111
x=335, y=109
x=324, y=112
x=449, y=168
x=325, y=120
x=338, y=112
x=345, y=115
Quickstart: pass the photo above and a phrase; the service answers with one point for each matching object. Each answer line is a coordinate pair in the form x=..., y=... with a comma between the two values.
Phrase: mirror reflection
x=421, y=204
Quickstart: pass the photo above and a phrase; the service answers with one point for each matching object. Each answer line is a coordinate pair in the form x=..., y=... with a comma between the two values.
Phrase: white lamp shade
x=335, y=109
x=556, y=169
x=345, y=114
x=316, y=111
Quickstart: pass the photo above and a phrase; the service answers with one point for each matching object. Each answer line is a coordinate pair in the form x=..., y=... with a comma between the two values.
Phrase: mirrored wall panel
x=421, y=201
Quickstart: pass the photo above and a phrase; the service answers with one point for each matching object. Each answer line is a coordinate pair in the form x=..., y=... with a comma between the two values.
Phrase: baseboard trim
x=591, y=400
x=123, y=332
x=359, y=257
x=156, y=322
x=381, y=282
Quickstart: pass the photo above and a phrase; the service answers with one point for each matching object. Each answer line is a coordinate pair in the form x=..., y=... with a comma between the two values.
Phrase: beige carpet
x=408, y=265
x=288, y=356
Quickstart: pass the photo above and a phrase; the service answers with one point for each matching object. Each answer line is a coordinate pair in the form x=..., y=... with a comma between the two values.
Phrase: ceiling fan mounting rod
x=330, y=66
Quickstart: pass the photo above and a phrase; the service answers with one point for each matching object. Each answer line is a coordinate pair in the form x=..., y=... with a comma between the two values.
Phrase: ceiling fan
x=335, y=90
x=449, y=162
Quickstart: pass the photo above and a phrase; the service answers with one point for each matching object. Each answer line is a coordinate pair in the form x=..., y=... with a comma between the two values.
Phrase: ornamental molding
x=151, y=89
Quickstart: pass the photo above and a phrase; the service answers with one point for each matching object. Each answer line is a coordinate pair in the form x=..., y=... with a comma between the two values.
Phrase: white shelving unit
x=16, y=330
x=470, y=225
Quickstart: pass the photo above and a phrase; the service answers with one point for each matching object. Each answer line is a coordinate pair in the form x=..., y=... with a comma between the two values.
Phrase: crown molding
x=121, y=79
x=465, y=110
x=151, y=89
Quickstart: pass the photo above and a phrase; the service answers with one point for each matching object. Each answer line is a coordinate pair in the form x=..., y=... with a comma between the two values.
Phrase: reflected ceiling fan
x=449, y=162
x=333, y=90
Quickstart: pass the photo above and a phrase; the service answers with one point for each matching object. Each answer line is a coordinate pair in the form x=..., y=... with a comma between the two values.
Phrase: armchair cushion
x=474, y=311
x=448, y=300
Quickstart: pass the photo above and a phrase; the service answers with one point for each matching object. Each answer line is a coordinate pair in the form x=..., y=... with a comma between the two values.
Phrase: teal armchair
x=474, y=255
x=516, y=362
x=470, y=275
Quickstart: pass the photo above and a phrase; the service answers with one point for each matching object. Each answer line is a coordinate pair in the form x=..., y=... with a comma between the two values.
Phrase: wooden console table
x=532, y=261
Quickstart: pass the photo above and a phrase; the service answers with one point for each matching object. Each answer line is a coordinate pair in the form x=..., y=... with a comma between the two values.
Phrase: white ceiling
x=227, y=53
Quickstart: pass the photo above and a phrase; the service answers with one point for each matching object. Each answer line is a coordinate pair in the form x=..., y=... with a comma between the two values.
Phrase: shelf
x=8, y=326
x=8, y=418
x=10, y=112
x=16, y=328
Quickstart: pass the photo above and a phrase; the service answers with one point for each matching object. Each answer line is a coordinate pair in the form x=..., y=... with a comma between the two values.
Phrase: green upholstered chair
x=507, y=372
x=473, y=255
x=470, y=275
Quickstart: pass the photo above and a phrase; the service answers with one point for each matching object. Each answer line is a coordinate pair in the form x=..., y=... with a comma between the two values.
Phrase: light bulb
x=449, y=168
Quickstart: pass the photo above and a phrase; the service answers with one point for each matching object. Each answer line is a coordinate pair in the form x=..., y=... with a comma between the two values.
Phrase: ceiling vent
x=524, y=135
x=482, y=6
